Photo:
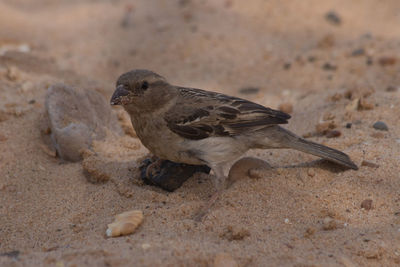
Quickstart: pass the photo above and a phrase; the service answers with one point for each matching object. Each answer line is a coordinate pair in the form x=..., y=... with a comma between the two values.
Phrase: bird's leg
x=153, y=166
x=219, y=183
x=220, y=179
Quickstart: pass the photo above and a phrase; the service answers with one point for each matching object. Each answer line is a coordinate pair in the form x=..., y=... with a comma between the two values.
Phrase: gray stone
x=333, y=18
x=76, y=118
x=380, y=125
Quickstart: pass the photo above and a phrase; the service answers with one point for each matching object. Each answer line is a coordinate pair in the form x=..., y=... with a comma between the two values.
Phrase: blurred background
x=222, y=45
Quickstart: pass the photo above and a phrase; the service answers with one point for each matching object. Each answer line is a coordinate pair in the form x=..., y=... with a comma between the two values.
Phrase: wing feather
x=200, y=114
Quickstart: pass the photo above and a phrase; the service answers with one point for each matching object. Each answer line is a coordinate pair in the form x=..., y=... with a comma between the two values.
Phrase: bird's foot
x=204, y=210
x=154, y=167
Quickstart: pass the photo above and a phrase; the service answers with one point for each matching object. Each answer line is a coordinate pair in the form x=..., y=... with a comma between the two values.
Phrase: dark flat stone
x=170, y=176
x=333, y=17
x=380, y=125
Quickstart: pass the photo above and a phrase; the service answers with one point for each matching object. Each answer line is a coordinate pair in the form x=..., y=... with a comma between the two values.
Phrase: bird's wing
x=199, y=114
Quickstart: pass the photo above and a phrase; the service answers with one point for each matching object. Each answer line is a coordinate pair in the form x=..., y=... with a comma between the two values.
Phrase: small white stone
x=108, y=232
x=24, y=48
x=286, y=220
x=27, y=86
x=146, y=246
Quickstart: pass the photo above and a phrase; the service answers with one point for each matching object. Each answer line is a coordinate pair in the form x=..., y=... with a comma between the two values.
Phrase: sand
x=302, y=212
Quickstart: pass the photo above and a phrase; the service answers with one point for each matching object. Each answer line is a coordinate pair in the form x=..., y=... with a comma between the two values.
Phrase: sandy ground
x=303, y=212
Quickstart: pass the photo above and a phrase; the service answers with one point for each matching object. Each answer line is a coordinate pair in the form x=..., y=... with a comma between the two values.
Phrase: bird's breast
x=159, y=140
x=148, y=129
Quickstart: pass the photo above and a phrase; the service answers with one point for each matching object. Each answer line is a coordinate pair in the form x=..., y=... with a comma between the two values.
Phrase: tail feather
x=324, y=152
x=287, y=139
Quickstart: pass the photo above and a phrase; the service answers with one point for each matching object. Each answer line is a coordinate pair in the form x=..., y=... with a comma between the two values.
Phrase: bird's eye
x=145, y=85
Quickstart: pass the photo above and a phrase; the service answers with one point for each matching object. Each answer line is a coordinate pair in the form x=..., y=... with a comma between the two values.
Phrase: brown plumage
x=195, y=126
x=200, y=114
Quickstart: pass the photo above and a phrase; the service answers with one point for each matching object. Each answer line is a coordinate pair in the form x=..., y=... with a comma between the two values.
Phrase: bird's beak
x=119, y=92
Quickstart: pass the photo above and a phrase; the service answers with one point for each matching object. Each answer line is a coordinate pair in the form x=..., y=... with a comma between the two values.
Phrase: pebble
x=329, y=66
x=326, y=42
x=125, y=223
x=249, y=90
x=333, y=133
x=358, y=52
x=329, y=224
x=311, y=172
x=333, y=18
x=224, y=260
x=146, y=246
x=13, y=74
x=309, y=232
x=311, y=58
x=247, y=166
x=76, y=118
x=366, y=204
x=355, y=104
x=391, y=88
x=363, y=104
x=349, y=94
x=286, y=107
x=287, y=66
x=387, y=61
x=336, y=97
x=232, y=234
x=381, y=126
x=369, y=164
x=324, y=127
x=256, y=173
x=328, y=116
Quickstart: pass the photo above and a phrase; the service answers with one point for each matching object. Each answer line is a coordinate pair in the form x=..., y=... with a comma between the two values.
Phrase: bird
x=199, y=127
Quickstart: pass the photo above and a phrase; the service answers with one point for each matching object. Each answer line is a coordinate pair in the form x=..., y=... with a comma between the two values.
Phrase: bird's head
x=141, y=90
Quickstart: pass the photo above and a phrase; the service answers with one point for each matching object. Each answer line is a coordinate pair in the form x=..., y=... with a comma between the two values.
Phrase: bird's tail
x=287, y=139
